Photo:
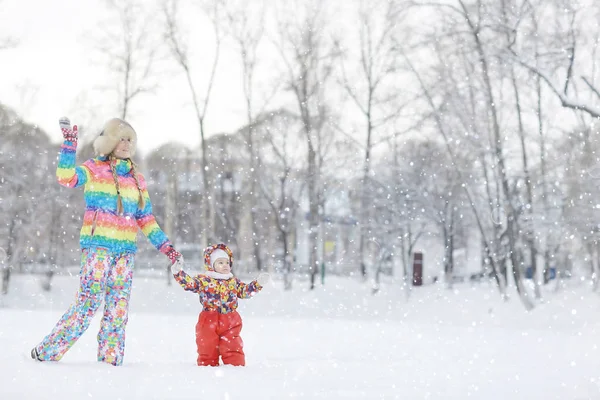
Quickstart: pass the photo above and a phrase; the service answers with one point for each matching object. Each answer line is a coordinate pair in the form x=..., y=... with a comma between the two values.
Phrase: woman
x=116, y=206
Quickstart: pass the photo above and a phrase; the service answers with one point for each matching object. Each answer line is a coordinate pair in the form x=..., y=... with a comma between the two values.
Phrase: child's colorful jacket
x=102, y=226
x=217, y=292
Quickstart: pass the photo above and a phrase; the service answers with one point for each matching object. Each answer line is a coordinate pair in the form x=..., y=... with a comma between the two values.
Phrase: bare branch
x=411, y=128
x=214, y=15
x=565, y=100
x=592, y=87
x=128, y=45
x=438, y=5
x=571, y=53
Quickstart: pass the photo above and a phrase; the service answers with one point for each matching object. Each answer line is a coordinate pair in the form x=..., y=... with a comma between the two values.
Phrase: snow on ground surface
x=336, y=342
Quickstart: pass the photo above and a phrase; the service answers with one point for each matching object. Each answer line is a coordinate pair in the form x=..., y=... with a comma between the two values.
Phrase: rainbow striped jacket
x=102, y=227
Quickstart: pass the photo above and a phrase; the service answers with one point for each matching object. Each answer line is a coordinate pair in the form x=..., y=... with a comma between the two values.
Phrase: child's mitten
x=177, y=266
x=263, y=279
x=69, y=133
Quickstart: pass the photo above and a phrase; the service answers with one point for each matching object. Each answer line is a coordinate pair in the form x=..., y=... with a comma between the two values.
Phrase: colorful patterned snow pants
x=104, y=276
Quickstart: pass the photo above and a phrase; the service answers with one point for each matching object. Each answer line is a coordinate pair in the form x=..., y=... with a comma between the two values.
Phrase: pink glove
x=69, y=134
x=173, y=255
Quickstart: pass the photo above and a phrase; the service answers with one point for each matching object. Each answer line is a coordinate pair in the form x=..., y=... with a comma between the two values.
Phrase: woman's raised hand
x=69, y=133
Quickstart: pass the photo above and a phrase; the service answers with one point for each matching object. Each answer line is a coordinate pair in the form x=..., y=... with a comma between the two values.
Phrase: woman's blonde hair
x=113, y=168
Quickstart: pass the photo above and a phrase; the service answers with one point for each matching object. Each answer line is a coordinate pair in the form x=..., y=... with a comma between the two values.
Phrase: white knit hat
x=114, y=130
x=216, y=254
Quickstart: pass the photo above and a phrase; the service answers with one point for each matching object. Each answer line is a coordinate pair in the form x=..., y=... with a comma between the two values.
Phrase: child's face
x=222, y=266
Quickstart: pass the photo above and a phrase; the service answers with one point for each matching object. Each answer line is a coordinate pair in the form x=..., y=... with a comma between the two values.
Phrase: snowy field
x=338, y=342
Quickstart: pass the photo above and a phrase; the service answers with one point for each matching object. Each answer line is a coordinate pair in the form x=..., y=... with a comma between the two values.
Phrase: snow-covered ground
x=337, y=342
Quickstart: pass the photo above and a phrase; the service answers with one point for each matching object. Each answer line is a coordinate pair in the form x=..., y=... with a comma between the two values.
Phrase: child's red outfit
x=219, y=324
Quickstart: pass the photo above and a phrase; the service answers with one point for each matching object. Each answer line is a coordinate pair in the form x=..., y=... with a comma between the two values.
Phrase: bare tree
x=562, y=55
x=475, y=24
x=512, y=20
x=281, y=182
x=229, y=166
x=579, y=167
x=308, y=55
x=436, y=103
x=373, y=89
x=398, y=222
x=543, y=180
x=179, y=48
x=436, y=189
x=130, y=48
x=23, y=228
x=567, y=43
x=169, y=165
x=246, y=27
x=470, y=25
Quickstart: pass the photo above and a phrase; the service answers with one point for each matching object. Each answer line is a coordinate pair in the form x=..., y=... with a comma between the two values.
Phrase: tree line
x=462, y=120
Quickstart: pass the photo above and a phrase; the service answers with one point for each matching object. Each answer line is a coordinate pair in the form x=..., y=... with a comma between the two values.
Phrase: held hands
x=69, y=133
x=174, y=255
x=176, y=260
x=177, y=266
x=263, y=279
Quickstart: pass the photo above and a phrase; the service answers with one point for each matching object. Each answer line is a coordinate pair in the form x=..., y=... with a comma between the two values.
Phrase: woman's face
x=123, y=149
x=222, y=266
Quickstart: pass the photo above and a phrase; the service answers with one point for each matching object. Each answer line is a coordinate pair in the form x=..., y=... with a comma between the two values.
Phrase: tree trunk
x=446, y=238
x=529, y=233
x=255, y=236
x=361, y=251
x=451, y=250
x=511, y=217
x=314, y=216
x=540, y=120
x=596, y=263
x=364, y=209
x=5, y=279
x=378, y=270
x=52, y=251
x=254, y=172
x=448, y=233
x=170, y=208
x=10, y=251
x=287, y=265
x=441, y=128
x=409, y=259
x=208, y=223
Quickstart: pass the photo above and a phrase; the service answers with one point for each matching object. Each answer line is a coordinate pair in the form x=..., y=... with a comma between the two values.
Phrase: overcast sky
x=53, y=72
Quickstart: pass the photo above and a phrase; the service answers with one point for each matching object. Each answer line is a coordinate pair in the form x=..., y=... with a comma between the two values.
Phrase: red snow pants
x=219, y=335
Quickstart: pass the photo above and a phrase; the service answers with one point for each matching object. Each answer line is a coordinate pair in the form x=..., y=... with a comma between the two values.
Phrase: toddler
x=219, y=324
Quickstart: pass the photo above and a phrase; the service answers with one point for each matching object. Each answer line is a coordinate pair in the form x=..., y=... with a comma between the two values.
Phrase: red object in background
x=417, y=269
